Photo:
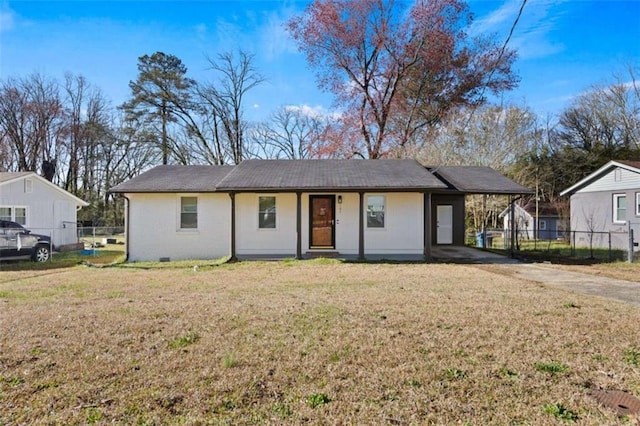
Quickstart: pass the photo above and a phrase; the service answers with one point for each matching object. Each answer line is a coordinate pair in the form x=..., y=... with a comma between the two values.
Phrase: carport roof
x=478, y=180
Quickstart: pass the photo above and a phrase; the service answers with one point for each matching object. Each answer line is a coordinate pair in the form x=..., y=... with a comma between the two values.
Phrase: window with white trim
x=188, y=212
x=637, y=203
x=542, y=224
x=375, y=211
x=267, y=212
x=14, y=214
x=20, y=215
x=6, y=213
x=619, y=208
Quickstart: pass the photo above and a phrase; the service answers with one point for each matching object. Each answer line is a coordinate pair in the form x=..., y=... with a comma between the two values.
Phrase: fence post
x=610, y=253
x=573, y=243
x=630, y=253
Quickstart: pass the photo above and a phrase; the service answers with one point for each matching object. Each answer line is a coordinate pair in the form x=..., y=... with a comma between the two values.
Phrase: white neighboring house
x=551, y=225
x=40, y=206
x=606, y=203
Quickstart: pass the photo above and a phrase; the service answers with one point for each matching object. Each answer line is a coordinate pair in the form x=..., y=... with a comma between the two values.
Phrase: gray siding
x=592, y=213
x=616, y=179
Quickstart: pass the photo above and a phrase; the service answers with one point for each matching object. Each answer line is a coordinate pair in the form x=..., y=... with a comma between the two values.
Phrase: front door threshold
x=322, y=253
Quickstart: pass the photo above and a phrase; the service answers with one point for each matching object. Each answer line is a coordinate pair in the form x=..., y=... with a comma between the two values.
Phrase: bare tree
x=31, y=118
x=291, y=133
x=224, y=100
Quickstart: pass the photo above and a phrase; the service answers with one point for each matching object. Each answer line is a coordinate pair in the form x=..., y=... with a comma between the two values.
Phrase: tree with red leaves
x=396, y=71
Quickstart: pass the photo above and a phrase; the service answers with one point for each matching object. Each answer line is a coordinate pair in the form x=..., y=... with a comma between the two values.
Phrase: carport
x=449, y=203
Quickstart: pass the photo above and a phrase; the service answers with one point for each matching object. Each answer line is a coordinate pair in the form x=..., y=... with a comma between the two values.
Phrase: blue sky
x=565, y=46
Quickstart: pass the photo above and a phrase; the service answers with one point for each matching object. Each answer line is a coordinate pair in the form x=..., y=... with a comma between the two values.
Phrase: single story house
x=551, y=225
x=40, y=206
x=606, y=204
x=299, y=208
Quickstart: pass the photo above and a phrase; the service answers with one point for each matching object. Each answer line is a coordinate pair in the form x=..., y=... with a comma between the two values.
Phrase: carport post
x=299, y=225
x=513, y=227
x=361, y=227
x=427, y=226
x=484, y=221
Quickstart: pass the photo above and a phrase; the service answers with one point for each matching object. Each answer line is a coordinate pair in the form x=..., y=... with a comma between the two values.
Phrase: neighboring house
x=604, y=203
x=551, y=225
x=40, y=206
x=299, y=208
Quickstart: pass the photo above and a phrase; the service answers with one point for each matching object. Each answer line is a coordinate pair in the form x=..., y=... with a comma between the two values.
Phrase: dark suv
x=16, y=242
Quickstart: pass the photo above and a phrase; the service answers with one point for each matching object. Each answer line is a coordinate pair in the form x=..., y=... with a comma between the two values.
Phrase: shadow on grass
x=562, y=258
x=65, y=260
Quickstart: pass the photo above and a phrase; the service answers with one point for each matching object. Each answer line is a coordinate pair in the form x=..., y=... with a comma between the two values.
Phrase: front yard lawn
x=316, y=342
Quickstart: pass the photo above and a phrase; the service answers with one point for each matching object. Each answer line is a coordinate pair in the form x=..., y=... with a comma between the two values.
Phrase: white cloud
x=533, y=35
x=201, y=31
x=7, y=18
x=275, y=38
x=317, y=111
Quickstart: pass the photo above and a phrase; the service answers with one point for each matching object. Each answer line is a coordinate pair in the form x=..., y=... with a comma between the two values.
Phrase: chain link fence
x=100, y=236
x=579, y=245
x=71, y=237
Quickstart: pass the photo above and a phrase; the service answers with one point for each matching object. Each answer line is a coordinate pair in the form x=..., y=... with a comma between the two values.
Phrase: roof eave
x=596, y=175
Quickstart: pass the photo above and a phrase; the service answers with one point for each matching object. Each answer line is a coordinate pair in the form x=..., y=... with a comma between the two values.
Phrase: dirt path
x=610, y=288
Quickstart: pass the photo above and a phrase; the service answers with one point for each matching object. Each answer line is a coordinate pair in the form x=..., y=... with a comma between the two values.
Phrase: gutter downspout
x=126, y=227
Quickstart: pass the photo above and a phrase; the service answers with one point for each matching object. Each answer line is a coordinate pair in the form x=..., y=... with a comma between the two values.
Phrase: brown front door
x=322, y=221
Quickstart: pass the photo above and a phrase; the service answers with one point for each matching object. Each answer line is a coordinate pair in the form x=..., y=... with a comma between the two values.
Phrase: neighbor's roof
x=8, y=177
x=478, y=180
x=176, y=179
x=288, y=175
x=544, y=209
x=633, y=166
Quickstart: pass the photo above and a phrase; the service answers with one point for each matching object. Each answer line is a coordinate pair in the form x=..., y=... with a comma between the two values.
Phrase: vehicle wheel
x=41, y=254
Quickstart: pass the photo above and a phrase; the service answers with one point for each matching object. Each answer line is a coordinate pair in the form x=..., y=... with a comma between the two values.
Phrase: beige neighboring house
x=40, y=206
x=392, y=209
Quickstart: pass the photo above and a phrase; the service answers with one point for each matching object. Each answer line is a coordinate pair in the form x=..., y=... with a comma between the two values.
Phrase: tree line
x=407, y=81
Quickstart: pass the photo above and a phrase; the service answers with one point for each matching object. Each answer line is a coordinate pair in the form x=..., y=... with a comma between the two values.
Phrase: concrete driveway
x=592, y=285
x=465, y=254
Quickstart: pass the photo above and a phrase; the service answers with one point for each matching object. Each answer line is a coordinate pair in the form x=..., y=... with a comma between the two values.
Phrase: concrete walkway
x=593, y=285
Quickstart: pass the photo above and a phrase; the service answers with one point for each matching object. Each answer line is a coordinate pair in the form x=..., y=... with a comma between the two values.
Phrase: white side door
x=444, y=217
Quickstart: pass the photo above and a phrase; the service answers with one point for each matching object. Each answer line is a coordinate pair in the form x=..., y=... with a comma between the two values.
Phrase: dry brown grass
x=619, y=270
x=265, y=342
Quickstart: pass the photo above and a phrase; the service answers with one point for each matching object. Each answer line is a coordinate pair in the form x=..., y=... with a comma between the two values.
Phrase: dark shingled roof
x=478, y=180
x=321, y=175
x=634, y=164
x=176, y=179
x=324, y=175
